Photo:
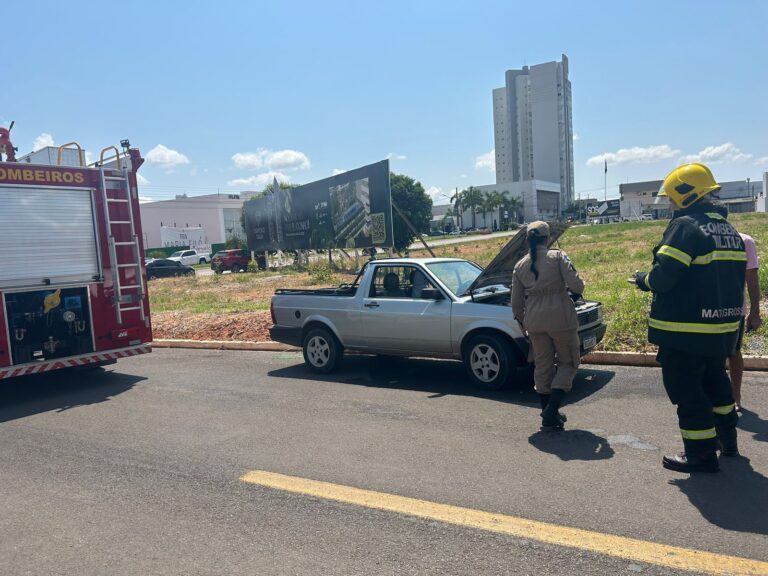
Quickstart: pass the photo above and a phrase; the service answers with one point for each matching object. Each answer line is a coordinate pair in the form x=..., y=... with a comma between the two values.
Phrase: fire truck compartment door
x=48, y=236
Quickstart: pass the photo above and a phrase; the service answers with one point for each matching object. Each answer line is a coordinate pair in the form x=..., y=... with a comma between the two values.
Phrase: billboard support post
x=412, y=229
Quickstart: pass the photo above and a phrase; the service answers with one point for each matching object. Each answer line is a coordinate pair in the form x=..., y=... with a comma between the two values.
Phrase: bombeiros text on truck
x=72, y=278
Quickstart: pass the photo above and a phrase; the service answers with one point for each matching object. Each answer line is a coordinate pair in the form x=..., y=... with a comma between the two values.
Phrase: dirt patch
x=253, y=326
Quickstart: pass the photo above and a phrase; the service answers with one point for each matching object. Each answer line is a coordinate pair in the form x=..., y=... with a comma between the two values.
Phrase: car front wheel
x=489, y=361
x=322, y=351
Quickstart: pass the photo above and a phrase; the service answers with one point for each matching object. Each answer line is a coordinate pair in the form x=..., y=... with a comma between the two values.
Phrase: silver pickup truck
x=425, y=307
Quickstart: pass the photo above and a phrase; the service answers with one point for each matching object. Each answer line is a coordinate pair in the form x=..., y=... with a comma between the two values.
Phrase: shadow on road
x=59, y=391
x=572, y=445
x=735, y=499
x=751, y=422
x=438, y=377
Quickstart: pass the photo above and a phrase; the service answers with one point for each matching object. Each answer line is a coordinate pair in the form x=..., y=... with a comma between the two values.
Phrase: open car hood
x=499, y=271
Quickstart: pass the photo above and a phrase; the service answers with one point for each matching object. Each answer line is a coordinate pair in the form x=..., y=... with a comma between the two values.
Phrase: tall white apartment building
x=533, y=129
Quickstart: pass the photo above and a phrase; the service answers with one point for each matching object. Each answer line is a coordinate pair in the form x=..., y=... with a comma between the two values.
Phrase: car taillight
x=272, y=312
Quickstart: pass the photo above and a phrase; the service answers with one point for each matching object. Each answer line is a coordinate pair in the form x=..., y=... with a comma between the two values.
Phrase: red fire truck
x=73, y=287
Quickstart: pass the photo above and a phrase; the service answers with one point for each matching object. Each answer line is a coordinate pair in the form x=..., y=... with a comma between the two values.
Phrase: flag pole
x=605, y=182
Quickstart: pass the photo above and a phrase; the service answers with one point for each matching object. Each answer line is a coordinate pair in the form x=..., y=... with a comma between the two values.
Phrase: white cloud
x=576, y=137
x=393, y=156
x=166, y=157
x=486, y=161
x=715, y=154
x=635, y=155
x=145, y=199
x=337, y=171
x=437, y=195
x=260, y=180
x=462, y=175
x=762, y=161
x=42, y=141
x=141, y=180
x=275, y=160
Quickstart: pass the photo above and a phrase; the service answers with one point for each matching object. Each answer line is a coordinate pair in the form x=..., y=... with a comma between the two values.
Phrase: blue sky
x=221, y=96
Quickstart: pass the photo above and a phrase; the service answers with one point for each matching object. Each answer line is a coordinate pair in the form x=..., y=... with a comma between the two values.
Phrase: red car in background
x=233, y=260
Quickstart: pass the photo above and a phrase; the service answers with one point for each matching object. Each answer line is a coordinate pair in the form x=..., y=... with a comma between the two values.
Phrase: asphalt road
x=136, y=470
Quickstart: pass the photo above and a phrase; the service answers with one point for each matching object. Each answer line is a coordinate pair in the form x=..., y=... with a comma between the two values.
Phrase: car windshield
x=179, y=253
x=457, y=275
x=220, y=254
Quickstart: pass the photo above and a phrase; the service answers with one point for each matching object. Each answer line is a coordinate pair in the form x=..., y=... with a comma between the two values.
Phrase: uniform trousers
x=557, y=356
x=701, y=389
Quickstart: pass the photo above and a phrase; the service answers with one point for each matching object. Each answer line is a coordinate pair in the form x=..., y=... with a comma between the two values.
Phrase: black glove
x=640, y=281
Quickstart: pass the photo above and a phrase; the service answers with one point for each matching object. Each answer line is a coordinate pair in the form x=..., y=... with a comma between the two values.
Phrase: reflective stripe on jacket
x=698, y=283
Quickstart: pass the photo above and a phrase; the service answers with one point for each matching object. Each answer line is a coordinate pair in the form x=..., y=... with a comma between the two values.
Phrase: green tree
x=456, y=199
x=413, y=201
x=514, y=206
x=494, y=201
x=472, y=198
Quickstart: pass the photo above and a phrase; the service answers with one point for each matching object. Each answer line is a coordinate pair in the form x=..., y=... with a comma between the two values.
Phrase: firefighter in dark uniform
x=697, y=281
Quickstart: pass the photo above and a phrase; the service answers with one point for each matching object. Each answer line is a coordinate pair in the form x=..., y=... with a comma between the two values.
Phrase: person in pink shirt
x=752, y=318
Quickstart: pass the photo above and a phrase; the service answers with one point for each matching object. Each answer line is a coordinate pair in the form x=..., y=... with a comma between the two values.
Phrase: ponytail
x=534, y=241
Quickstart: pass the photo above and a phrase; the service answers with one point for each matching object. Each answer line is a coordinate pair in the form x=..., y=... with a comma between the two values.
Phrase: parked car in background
x=167, y=268
x=232, y=260
x=190, y=257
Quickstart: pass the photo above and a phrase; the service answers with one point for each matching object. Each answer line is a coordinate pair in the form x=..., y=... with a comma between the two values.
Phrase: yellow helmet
x=688, y=184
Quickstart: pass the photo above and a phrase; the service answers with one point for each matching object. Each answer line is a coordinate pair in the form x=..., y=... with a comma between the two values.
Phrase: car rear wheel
x=322, y=351
x=489, y=361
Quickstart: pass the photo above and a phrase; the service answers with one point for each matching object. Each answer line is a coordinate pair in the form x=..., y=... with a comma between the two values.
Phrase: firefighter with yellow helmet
x=697, y=281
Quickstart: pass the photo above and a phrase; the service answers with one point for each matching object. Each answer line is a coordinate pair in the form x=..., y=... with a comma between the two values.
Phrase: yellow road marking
x=606, y=544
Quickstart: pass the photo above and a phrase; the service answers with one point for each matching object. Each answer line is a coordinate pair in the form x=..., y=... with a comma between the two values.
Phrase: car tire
x=322, y=351
x=236, y=268
x=202, y=261
x=490, y=361
x=152, y=277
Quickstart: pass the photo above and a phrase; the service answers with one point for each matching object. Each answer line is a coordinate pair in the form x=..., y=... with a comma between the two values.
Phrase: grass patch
x=605, y=255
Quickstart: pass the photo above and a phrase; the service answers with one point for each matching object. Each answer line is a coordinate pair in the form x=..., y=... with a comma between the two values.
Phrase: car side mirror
x=432, y=294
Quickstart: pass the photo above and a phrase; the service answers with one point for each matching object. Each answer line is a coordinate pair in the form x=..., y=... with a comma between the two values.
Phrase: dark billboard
x=349, y=210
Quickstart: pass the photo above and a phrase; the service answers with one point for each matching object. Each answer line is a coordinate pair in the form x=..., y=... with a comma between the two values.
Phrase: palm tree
x=472, y=198
x=514, y=205
x=495, y=201
x=456, y=199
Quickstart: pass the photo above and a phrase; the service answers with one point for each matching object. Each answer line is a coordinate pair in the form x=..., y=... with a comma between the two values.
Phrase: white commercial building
x=540, y=201
x=533, y=128
x=639, y=198
x=217, y=214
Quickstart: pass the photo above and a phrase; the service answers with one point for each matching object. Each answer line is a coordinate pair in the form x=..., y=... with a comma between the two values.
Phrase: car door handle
x=371, y=305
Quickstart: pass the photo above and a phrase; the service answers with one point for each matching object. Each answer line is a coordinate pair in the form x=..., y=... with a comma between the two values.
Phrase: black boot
x=544, y=400
x=549, y=416
x=699, y=456
x=727, y=437
x=691, y=463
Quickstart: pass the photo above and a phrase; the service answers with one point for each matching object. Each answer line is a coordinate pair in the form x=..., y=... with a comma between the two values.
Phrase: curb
x=751, y=363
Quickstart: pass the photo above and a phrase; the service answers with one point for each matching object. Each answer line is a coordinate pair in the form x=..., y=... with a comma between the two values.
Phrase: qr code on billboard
x=378, y=228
